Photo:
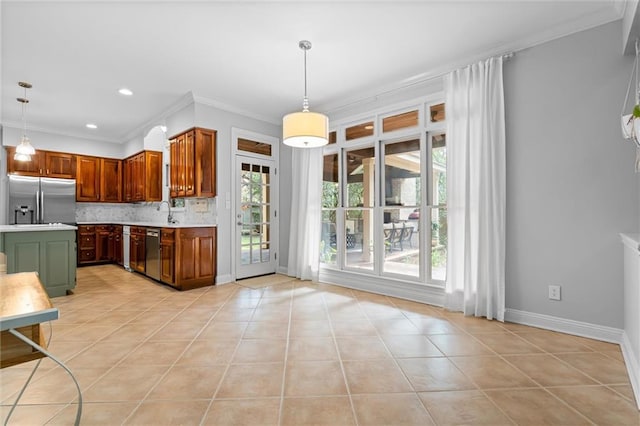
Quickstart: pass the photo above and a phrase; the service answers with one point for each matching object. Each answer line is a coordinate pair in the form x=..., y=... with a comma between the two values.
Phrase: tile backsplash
x=195, y=211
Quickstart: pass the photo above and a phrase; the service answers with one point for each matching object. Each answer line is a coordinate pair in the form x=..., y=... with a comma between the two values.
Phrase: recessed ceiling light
x=125, y=91
x=91, y=126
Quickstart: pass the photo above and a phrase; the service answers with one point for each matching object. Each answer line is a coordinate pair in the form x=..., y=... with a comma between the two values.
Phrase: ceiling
x=244, y=56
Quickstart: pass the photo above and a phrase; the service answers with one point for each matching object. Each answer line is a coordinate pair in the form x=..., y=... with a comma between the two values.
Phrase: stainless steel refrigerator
x=41, y=200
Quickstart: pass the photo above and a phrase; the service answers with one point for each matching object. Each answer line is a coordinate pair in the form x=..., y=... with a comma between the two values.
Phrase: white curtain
x=304, y=233
x=476, y=190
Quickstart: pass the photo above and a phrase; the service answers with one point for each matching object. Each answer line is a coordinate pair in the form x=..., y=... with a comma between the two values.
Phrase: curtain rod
x=505, y=56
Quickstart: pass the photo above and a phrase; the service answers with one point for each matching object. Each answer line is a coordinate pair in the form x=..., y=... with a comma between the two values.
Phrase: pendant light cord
x=305, y=101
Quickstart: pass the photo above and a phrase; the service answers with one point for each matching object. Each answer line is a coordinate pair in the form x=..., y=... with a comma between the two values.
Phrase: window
x=330, y=202
x=385, y=201
x=359, y=189
x=402, y=190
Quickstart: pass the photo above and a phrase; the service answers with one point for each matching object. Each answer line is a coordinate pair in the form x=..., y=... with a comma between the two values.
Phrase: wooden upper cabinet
x=60, y=165
x=43, y=164
x=153, y=176
x=143, y=177
x=111, y=180
x=193, y=163
x=87, y=178
x=35, y=167
x=205, y=171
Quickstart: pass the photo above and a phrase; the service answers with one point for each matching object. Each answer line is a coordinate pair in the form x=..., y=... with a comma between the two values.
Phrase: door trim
x=231, y=201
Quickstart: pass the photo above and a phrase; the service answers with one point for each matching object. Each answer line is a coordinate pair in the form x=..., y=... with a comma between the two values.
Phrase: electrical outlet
x=554, y=292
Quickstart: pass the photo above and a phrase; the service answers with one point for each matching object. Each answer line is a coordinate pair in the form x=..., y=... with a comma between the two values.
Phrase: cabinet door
x=133, y=251
x=205, y=167
x=180, y=165
x=141, y=255
x=137, y=176
x=195, y=257
x=189, y=164
x=25, y=168
x=111, y=180
x=88, y=178
x=60, y=165
x=153, y=176
x=167, y=262
x=117, y=247
x=127, y=180
x=173, y=168
x=102, y=246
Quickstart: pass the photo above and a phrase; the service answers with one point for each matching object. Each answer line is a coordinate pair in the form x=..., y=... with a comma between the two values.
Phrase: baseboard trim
x=632, y=361
x=283, y=270
x=385, y=286
x=224, y=279
x=563, y=325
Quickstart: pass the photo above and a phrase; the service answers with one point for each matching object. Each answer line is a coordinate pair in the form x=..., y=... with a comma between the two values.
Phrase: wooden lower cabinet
x=99, y=244
x=167, y=256
x=116, y=245
x=195, y=257
x=137, y=252
x=86, y=244
x=103, y=233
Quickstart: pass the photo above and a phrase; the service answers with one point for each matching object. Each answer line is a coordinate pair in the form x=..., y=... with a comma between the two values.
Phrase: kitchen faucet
x=169, y=216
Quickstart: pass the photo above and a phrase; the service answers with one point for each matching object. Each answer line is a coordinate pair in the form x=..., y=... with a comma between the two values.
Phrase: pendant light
x=305, y=129
x=24, y=150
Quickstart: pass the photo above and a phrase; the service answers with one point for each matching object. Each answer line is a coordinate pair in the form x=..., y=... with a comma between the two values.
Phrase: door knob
x=239, y=223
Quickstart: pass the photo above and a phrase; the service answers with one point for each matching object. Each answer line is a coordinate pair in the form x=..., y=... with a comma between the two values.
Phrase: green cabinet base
x=52, y=254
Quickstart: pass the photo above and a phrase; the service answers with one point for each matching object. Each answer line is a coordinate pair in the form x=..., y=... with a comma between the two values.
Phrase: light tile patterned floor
x=295, y=353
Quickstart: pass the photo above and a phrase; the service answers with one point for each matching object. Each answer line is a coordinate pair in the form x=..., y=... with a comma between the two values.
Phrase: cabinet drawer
x=104, y=228
x=86, y=229
x=138, y=230
x=87, y=255
x=167, y=235
x=87, y=241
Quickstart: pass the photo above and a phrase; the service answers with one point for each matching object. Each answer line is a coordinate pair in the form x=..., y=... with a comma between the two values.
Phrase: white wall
x=571, y=187
x=222, y=121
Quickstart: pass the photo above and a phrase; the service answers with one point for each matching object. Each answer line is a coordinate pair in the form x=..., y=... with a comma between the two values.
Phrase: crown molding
x=429, y=80
x=182, y=102
x=53, y=131
x=230, y=108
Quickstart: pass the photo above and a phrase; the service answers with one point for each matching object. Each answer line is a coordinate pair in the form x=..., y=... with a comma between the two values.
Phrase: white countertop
x=42, y=227
x=631, y=240
x=153, y=224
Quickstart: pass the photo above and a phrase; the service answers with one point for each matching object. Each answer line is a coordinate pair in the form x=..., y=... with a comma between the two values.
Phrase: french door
x=256, y=223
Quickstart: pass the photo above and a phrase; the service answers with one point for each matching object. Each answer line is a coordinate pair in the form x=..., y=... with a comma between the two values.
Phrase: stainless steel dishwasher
x=152, y=244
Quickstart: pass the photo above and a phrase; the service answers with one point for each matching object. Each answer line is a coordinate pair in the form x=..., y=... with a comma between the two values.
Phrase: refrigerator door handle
x=37, y=218
x=41, y=219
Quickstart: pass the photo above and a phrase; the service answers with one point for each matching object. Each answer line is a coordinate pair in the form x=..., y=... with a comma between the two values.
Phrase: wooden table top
x=24, y=301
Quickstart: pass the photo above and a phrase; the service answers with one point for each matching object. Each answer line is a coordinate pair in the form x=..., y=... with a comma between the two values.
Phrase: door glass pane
x=359, y=168
x=359, y=238
x=255, y=216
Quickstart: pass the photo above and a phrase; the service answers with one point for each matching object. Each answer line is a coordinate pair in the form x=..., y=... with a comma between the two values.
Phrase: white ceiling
x=245, y=54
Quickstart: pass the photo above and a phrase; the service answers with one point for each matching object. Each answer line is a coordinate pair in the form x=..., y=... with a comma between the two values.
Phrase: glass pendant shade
x=21, y=157
x=305, y=129
x=25, y=147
